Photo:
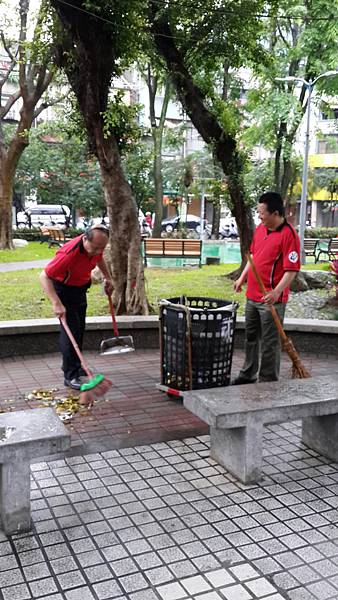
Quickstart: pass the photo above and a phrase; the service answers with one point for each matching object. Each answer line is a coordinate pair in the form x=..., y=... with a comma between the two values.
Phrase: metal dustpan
x=119, y=343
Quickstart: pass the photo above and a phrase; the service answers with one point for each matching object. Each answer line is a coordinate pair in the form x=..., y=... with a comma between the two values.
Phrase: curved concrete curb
x=37, y=336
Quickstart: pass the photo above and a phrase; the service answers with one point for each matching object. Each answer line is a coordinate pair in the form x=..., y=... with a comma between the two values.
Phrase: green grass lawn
x=33, y=251
x=22, y=298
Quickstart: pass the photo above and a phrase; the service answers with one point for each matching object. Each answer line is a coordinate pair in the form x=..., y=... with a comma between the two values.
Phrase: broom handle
x=112, y=312
x=76, y=347
x=272, y=308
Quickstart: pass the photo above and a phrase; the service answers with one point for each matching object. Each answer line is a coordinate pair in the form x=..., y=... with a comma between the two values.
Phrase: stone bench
x=236, y=416
x=24, y=436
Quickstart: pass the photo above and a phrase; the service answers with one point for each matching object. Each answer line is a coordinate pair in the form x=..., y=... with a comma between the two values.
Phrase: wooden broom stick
x=298, y=369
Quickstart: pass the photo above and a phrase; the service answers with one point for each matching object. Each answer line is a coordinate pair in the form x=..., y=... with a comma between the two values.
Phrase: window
x=328, y=145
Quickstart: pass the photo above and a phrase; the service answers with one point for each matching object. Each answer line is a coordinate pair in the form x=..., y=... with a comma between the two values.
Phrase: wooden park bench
x=53, y=235
x=57, y=237
x=311, y=247
x=172, y=248
x=24, y=436
x=329, y=248
x=237, y=415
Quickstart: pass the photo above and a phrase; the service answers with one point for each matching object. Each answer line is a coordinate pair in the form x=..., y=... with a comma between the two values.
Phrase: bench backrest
x=272, y=402
x=310, y=243
x=57, y=234
x=166, y=247
x=333, y=245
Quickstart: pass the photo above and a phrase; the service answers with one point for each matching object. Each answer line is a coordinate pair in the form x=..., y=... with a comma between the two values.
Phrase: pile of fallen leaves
x=65, y=406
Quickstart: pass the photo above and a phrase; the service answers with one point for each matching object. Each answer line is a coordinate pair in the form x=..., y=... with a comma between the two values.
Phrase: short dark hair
x=89, y=233
x=273, y=202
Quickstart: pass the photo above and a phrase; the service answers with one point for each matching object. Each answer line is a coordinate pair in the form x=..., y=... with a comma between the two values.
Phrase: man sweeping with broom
x=275, y=253
x=66, y=280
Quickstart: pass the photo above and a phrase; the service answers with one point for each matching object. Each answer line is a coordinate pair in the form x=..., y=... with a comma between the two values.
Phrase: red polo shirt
x=274, y=253
x=71, y=264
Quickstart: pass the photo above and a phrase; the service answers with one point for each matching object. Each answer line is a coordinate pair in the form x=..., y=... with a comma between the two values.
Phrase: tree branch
x=22, y=54
x=6, y=47
x=45, y=105
x=282, y=35
x=10, y=102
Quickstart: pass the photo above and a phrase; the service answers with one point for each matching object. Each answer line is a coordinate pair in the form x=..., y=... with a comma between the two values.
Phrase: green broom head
x=92, y=383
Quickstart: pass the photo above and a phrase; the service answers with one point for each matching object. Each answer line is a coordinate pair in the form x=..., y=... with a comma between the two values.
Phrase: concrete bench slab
x=236, y=416
x=24, y=436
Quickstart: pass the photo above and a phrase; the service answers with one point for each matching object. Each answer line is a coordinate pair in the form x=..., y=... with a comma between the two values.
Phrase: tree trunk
x=216, y=218
x=286, y=178
x=6, y=195
x=125, y=239
x=244, y=220
x=224, y=146
x=91, y=45
x=158, y=182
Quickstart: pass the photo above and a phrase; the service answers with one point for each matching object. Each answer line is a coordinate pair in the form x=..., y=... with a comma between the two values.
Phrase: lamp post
x=302, y=214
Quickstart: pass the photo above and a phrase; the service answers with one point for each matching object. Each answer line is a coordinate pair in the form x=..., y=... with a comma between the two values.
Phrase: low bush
x=34, y=234
x=322, y=232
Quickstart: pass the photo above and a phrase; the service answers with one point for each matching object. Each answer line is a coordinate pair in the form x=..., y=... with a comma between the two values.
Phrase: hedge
x=322, y=232
x=34, y=234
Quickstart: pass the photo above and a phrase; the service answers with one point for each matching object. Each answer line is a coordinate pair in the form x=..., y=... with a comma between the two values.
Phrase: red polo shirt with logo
x=274, y=253
x=71, y=264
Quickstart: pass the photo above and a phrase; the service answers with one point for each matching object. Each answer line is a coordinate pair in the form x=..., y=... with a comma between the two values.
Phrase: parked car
x=189, y=221
x=44, y=215
x=228, y=228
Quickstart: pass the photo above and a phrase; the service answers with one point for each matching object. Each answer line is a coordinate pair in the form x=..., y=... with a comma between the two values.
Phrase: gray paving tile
x=70, y=580
x=16, y=592
x=43, y=587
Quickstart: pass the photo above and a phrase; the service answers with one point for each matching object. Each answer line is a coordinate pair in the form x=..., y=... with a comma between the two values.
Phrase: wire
x=225, y=11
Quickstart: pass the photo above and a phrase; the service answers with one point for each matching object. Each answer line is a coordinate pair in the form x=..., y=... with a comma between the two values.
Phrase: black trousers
x=74, y=299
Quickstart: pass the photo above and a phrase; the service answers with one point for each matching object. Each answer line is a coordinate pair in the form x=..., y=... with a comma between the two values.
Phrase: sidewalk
x=161, y=520
x=134, y=411
x=21, y=266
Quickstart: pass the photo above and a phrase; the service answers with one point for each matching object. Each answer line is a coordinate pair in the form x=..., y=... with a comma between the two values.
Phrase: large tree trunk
x=125, y=240
x=6, y=194
x=224, y=146
x=91, y=46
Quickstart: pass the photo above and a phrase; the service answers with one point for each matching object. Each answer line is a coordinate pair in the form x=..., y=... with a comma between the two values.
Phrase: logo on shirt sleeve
x=293, y=256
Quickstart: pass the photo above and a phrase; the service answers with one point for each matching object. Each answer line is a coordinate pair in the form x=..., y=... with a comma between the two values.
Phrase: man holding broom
x=66, y=279
x=275, y=251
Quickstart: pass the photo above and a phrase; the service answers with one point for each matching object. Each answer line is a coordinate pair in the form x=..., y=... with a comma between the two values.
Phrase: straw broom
x=298, y=369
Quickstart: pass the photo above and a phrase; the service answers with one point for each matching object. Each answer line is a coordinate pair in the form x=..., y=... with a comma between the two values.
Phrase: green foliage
x=138, y=166
x=299, y=47
x=327, y=179
x=228, y=116
x=57, y=166
x=259, y=178
x=120, y=120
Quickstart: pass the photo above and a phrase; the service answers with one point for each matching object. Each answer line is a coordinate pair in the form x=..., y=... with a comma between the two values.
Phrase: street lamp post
x=302, y=214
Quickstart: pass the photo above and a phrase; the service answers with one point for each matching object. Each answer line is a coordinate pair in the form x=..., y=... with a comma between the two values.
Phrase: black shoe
x=242, y=380
x=74, y=383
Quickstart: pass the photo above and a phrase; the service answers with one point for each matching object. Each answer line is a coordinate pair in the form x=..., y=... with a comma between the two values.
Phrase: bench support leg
x=321, y=434
x=239, y=450
x=15, y=508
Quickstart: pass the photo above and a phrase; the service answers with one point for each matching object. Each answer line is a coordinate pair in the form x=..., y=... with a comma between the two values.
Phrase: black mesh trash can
x=196, y=342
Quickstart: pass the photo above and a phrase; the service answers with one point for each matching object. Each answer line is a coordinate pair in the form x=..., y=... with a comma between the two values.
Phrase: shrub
x=322, y=232
x=34, y=234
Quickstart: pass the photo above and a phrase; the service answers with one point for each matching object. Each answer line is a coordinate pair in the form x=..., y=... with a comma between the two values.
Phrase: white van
x=44, y=215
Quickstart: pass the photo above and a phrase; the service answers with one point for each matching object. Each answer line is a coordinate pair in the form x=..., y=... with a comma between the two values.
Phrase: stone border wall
x=40, y=336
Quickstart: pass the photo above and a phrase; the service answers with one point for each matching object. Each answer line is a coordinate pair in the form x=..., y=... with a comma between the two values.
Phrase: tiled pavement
x=135, y=412
x=163, y=521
